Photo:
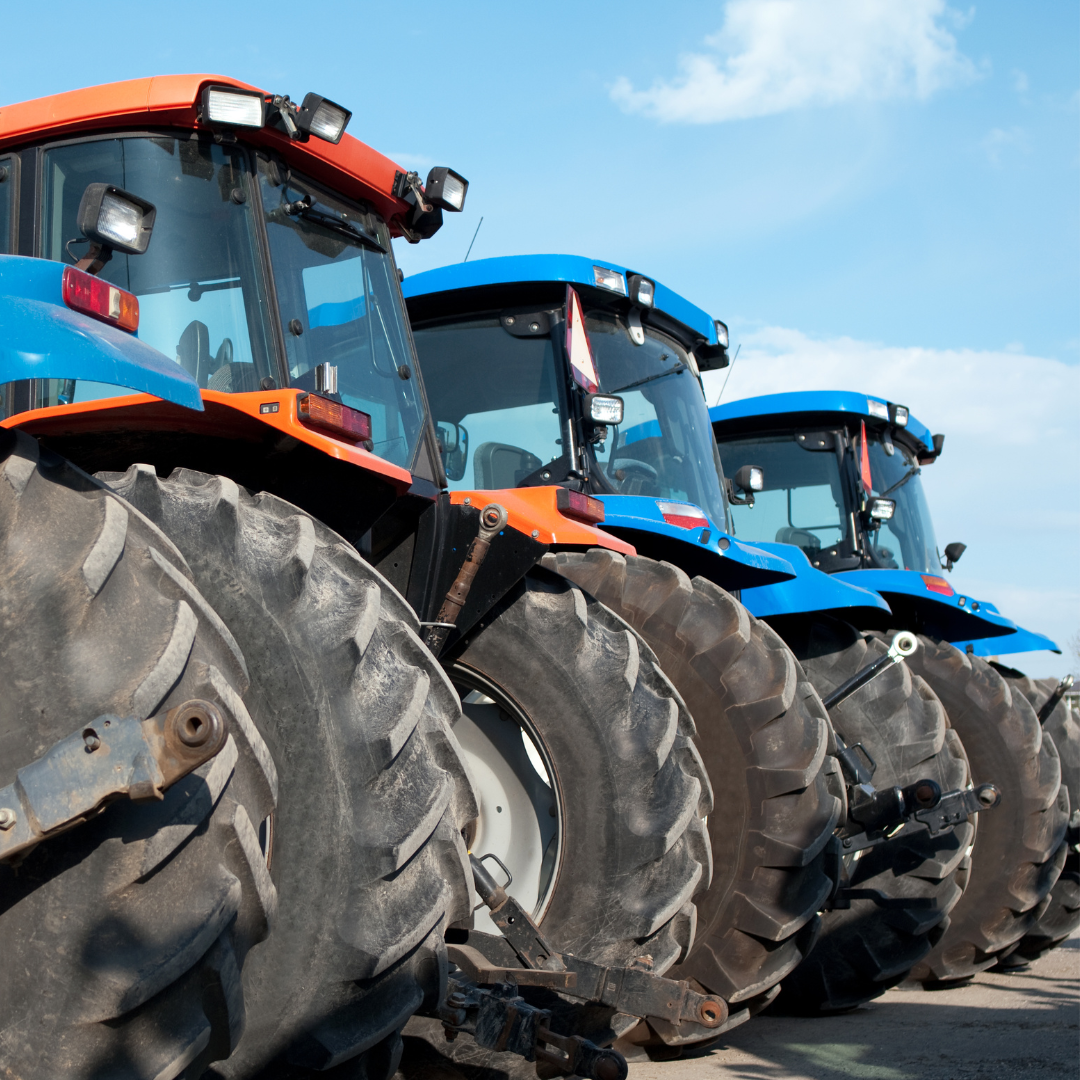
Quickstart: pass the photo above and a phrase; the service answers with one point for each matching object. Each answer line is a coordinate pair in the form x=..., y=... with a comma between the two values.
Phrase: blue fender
x=44, y=339
x=707, y=550
x=951, y=617
x=1020, y=641
x=812, y=591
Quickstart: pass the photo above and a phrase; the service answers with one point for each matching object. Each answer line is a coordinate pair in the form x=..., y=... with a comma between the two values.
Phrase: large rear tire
x=764, y=737
x=1016, y=859
x=1062, y=912
x=124, y=938
x=867, y=948
x=368, y=854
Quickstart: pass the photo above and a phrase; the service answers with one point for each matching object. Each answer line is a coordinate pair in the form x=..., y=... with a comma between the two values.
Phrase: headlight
x=235, y=108
x=642, y=290
x=604, y=408
x=446, y=189
x=609, y=279
x=877, y=408
x=322, y=118
x=115, y=218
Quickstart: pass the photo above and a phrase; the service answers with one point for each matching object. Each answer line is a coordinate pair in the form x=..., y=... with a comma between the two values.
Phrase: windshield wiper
x=676, y=370
x=913, y=471
x=341, y=226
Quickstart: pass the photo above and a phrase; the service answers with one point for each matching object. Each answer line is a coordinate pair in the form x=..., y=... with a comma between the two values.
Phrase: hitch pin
x=903, y=645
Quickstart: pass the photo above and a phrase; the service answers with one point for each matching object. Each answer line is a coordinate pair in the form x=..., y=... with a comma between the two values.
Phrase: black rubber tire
x=1015, y=861
x=865, y=949
x=764, y=737
x=123, y=939
x=368, y=854
x=1061, y=915
x=635, y=848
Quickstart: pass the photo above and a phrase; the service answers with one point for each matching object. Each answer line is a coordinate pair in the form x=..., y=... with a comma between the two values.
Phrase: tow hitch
x=499, y=1019
x=110, y=757
x=877, y=815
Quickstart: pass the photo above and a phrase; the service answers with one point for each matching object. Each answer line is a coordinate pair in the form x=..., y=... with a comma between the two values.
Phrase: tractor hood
x=45, y=339
x=812, y=590
x=658, y=529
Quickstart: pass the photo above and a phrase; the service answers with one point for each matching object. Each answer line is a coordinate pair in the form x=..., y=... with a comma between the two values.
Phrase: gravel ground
x=1025, y=1025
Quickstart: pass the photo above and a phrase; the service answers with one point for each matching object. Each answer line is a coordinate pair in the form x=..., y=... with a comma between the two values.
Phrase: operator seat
x=800, y=538
x=193, y=352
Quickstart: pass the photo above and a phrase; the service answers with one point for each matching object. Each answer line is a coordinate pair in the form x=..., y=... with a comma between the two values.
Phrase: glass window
x=664, y=447
x=201, y=298
x=495, y=401
x=906, y=541
x=340, y=304
x=7, y=204
x=803, y=500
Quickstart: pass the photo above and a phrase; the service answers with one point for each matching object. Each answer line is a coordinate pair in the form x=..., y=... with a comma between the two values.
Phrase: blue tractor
x=839, y=487
x=558, y=370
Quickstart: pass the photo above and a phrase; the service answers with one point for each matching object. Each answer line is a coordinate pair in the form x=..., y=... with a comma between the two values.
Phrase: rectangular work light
x=446, y=189
x=882, y=509
x=233, y=108
x=609, y=279
x=604, y=408
x=322, y=118
x=115, y=218
x=642, y=290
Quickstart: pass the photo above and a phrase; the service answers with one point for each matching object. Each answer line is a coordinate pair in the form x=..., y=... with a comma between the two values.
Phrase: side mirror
x=953, y=552
x=453, y=440
x=748, y=479
x=113, y=220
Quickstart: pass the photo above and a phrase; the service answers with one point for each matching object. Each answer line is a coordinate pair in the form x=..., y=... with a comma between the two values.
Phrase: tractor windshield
x=664, y=447
x=906, y=541
x=497, y=404
x=200, y=289
x=803, y=502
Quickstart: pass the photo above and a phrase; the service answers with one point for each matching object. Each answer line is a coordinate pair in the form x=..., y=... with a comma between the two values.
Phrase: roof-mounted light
x=446, y=189
x=233, y=108
x=877, y=408
x=721, y=334
x=642, y=290
x=609, y=279
x=683, y=515
x=90, y=295
x=898, y=414
x=322, y=118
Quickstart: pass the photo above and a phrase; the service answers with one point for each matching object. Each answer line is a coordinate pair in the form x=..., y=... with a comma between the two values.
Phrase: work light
x=115, y=219
x=233, y=108
x=322, y=118
x=642, y=290
x=609, y=279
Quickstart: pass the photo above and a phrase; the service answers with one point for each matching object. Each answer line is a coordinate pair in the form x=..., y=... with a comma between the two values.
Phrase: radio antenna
x=473, y=241
x=728, y=375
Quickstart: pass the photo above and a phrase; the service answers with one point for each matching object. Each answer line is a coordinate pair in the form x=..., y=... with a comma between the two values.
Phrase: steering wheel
x=628, y=471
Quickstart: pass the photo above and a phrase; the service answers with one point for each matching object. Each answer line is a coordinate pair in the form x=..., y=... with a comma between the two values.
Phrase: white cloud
x=1008, y=482
x=1019, y=81
x=1002, y=140
x=771, y=56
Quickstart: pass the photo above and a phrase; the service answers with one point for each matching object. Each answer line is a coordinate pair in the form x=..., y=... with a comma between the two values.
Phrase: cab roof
x=573, y=269
x=351, y=167
x=803, y=404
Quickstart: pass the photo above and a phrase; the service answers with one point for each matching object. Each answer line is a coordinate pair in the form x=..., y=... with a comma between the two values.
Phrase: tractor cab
x=552, y=369
x=841, y=482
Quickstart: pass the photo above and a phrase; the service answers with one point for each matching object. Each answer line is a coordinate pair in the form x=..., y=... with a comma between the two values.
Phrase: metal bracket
x=634, y=990
x=1051, y=703
x=108, y=758
x=498, y=1019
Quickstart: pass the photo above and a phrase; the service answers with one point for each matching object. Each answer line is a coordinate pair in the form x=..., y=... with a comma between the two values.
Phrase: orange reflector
x=938, y=585
x=683, y=515
x=332, y=416
x=573, y=504
x=100, y=300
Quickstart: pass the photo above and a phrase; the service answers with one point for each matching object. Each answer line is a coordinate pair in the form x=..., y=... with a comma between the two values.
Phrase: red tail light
x=100, y=300
x=332, y=416
x=683, y=515
x=573, y=504
x=938, y=585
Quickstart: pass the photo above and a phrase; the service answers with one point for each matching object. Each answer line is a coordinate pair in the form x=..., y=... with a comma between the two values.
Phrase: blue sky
x=880, y=194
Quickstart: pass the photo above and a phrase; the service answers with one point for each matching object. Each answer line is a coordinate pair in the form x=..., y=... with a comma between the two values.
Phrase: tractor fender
x=702, y=550
x=928, y=604
x=44, y=339
x=812, y=591
x=1020, y=641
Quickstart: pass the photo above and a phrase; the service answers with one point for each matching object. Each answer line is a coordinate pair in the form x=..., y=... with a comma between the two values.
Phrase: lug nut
x=7, y=818
x=196, y=723
x=91, y=739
